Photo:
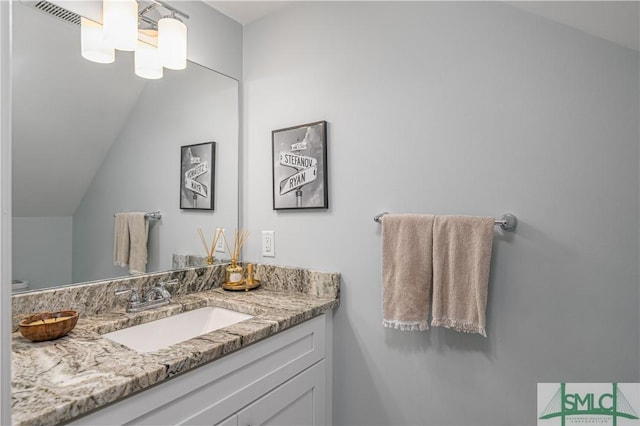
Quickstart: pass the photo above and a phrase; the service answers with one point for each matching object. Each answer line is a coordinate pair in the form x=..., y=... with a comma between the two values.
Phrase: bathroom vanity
x=272, y=368
x=281, y=379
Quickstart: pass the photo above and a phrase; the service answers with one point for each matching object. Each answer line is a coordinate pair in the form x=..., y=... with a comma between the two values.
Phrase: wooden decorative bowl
x=48, y=325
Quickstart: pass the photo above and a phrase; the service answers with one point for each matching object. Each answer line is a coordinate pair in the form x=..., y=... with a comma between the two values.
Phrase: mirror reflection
x=92, y=140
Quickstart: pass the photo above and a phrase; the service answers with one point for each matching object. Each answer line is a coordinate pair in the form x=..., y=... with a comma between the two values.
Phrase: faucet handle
x=163, y=291
x=134, y=298
x=161, y=286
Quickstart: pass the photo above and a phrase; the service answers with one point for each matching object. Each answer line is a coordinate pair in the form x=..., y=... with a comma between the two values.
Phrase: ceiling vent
x=57, y=11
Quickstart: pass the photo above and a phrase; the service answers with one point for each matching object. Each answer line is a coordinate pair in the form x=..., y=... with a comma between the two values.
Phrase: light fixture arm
x=153, y=24
x=158, y=3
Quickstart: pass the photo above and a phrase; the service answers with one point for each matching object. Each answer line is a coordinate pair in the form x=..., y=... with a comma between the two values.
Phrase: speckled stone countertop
x=56, y=381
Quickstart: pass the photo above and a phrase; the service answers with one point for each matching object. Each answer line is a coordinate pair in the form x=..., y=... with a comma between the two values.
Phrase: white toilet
x=19, y=285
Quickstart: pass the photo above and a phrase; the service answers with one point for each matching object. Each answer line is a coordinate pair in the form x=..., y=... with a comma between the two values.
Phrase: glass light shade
x=120, y=20
x=147, y=60
x=172, y=43
x=92, y=43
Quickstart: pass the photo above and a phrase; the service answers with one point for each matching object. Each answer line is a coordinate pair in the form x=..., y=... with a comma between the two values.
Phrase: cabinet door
x=298, y=402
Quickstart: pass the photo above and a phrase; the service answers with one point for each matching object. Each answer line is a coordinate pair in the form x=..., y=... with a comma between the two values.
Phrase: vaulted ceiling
x=616, y=21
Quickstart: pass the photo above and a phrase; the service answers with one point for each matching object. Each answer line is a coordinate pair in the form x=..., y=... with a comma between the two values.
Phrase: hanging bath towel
x=130, y=241
x=406, y=270
x=461, y=260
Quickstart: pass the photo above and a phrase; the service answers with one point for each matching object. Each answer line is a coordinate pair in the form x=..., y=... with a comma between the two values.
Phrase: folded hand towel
x=406, y=251
x=130, y=241
x=461, y=260
x=121, y=240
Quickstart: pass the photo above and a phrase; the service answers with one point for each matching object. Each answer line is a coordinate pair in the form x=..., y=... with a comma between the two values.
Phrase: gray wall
x=457, y=108
x=42, y=250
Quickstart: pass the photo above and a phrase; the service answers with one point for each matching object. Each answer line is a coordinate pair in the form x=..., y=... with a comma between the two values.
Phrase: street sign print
x=298, y=180
x=300, y=167
x=196, y=176
x=298, y=162
x=194, y=185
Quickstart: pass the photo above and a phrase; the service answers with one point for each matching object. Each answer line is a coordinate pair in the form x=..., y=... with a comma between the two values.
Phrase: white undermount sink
x=168, y=331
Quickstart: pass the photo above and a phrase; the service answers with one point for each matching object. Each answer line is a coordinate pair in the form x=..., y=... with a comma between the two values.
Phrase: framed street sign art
x=197, y=170
x=300, y=167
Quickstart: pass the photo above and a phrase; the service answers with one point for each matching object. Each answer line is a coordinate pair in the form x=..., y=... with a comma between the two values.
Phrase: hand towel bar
x=507, y=221
x=151, y=215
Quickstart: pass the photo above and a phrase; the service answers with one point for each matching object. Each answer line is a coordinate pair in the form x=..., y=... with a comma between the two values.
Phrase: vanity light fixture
x=92, y=44
x=147, y=61
x=172, y=42
x=120, y=23
x=156, y=44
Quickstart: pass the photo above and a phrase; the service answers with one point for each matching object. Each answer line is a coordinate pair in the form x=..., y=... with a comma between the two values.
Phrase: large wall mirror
x=91, y=140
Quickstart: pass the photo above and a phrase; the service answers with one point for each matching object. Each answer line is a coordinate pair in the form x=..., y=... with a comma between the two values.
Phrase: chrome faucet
x=157, y=296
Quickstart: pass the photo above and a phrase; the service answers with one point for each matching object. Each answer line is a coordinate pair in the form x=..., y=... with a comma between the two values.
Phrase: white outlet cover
x=268, y=244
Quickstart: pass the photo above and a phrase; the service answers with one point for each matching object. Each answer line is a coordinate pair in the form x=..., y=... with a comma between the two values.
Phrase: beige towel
x=406, y=269
x=461, y=259
x=130, y=241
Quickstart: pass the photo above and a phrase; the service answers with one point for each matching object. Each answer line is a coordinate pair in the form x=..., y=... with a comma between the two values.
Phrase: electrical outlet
x=268, y=244
x=220, y=242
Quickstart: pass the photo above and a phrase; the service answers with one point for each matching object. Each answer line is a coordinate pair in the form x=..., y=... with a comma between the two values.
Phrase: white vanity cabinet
x=284, y=379
x=296, y=402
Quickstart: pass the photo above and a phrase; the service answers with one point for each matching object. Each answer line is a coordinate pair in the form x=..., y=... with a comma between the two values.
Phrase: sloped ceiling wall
x=67, y=112
x=616, y=21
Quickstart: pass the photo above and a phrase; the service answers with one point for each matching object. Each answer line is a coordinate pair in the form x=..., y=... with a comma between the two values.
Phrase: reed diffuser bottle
x=235, y=273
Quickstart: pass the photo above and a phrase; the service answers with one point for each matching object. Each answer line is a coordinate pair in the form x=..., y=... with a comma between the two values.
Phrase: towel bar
x=507, y=221
x=151, y=215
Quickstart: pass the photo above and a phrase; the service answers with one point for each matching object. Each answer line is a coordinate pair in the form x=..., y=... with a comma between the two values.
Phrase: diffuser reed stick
x=204, y=242
x=239, y=240
x=216, y=237
x=214, y=241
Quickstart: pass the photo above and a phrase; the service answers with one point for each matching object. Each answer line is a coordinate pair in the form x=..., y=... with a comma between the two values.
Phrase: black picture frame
x=197, y=172
x=299, y=167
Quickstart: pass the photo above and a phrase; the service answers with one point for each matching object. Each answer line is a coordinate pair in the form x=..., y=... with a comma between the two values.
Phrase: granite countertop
x=58, y=380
